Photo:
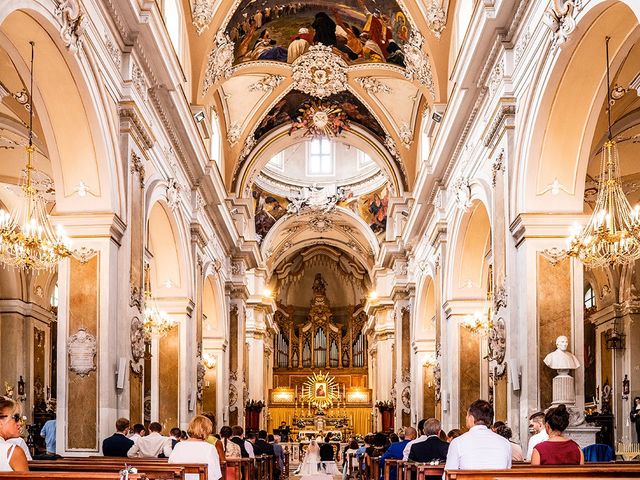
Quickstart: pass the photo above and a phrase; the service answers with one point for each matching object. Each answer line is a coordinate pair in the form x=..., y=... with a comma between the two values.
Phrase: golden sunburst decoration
x=321, y=390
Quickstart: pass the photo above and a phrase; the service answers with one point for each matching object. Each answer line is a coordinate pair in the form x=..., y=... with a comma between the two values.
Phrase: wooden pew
x=155, y=468
x=549, y=472
x=67, y=476
x=163, y=471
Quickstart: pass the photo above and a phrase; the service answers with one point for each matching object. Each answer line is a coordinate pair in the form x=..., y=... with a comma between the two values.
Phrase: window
x=54, y=296
x=215, y=140
x=364, y=160
x=320, y=158
x=172, y=22
x=277, y=162
x=589, y=298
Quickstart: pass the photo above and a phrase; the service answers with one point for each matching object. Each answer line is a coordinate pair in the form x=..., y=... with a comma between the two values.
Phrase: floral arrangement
x=128, y=470
x=321, y=119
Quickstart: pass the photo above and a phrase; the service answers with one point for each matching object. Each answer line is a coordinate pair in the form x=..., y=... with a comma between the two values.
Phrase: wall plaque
x=82, y=350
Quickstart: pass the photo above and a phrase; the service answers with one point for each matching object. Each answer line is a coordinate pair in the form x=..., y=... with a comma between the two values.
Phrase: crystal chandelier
x=157, y=323
x=27, y=239
x=478, y=324
x=612, y=235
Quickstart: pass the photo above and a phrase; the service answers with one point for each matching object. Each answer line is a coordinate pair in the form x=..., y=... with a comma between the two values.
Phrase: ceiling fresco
x=290, y=109
x=357, y=30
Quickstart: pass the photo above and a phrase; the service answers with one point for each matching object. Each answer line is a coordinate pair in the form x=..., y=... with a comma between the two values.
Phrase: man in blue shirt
x=396, y=449
x=48, y=432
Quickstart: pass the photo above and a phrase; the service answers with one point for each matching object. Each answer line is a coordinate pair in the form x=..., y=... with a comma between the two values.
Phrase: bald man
x=396, y=450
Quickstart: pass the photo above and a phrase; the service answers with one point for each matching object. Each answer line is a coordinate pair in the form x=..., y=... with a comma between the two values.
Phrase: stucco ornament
x=82, y=349
x=220, y=61
x=72, y=23
x=436, y=18
x=498, y=347
x=373, y=85
x=560, y=17
x=202, y=13
x=136, y=337
x=462, y=193
x=266, y=83
x=319, y=72
x=417, y=62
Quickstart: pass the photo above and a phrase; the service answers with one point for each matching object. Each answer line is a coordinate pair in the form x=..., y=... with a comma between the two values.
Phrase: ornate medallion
x=319, y=72
x=82, y=349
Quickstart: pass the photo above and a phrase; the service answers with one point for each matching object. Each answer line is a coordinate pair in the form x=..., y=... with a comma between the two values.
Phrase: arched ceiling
x=625, y=119
x=339, y=229
x=243, y=77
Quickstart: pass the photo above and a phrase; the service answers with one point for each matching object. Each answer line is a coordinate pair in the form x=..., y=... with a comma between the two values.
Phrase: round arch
x=565, y=105
x=468, y=265
x=169, y=262
x=424, y=327
x=68, y=99
x=280, y=139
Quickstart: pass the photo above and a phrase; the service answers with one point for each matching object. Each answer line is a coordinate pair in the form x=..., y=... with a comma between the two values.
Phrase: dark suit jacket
x=261, y=447
x=326, y=452
x=431, y=449
x=117, y=445
x=240, y=442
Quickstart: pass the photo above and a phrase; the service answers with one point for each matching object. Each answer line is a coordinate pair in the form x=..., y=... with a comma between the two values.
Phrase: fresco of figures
x=357, y=30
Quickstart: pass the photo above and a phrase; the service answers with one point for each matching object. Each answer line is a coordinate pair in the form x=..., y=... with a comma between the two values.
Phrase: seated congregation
x=484, y=451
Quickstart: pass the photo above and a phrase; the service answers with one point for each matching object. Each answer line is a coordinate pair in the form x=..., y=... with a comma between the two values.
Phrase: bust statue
x=560, y=359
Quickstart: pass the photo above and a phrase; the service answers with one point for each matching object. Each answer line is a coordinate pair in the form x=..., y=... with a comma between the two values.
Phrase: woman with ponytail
x=558, y=449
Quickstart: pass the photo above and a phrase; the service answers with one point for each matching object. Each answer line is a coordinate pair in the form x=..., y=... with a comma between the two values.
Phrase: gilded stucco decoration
x=266, y=83
x=319, y=72
x=202, y=12
x=82, y=348
x=372, y=85
x=436, y=18
x=417, y=63
x=220, y=61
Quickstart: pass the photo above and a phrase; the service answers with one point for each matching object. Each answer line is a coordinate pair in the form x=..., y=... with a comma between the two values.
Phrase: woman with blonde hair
x=196, y=449
x=12, y=458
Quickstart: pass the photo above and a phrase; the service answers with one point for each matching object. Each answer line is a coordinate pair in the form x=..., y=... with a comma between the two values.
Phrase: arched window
x=216, y=150
x=54, y=296
x=589, y=298
x=172, y=21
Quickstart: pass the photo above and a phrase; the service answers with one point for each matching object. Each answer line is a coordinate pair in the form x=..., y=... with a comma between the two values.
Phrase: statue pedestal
x=563, y=389
x=583, y=435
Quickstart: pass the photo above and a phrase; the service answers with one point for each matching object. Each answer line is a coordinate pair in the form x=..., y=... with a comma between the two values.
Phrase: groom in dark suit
x=432, y=448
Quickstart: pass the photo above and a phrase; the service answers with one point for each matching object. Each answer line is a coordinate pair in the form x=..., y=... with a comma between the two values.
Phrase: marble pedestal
x=583, y=435
x=563, y=389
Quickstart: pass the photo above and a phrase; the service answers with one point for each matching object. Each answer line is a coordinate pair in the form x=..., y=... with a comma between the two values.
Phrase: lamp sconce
x=209, y=361
x=625, y=387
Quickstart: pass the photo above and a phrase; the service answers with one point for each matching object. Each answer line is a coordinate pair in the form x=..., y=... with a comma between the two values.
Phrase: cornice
x=544, y=225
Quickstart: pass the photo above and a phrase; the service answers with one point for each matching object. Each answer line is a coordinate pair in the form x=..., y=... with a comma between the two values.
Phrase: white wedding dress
x=309, y=465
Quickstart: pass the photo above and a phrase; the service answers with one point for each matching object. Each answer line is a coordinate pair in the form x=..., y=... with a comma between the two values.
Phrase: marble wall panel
x=82, y=391
x=135, y=397
x=168, y=366
x=554, y=316
x=39, y=372
x=469, y=372
x=209, y=391
x=428, y=393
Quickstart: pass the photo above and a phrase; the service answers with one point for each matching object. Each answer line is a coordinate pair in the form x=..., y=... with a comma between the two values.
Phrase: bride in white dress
x=309, y=465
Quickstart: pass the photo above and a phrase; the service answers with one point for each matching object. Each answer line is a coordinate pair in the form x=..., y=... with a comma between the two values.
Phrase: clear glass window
x=589, y=297
x=320, y=160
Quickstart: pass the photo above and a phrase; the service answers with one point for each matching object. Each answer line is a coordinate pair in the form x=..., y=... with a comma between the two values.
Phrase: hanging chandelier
x=208, y=361
x=156, y=323
x=478, y=324
x=612, y=235
x=28, y=241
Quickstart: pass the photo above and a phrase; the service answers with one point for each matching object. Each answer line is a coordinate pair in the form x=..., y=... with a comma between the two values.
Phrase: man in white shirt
x=152, y=445
x=421, y=438
x=479, y=448
x=536, y=423
x=138, y=432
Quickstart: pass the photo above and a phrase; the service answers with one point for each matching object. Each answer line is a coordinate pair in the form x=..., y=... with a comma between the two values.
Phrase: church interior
x=325, y=220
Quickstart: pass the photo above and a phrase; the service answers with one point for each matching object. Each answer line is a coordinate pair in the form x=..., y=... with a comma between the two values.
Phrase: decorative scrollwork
x=417, y=63
x=319, y=72
x=220, y=61
x=436, y=18
x=202, y=12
